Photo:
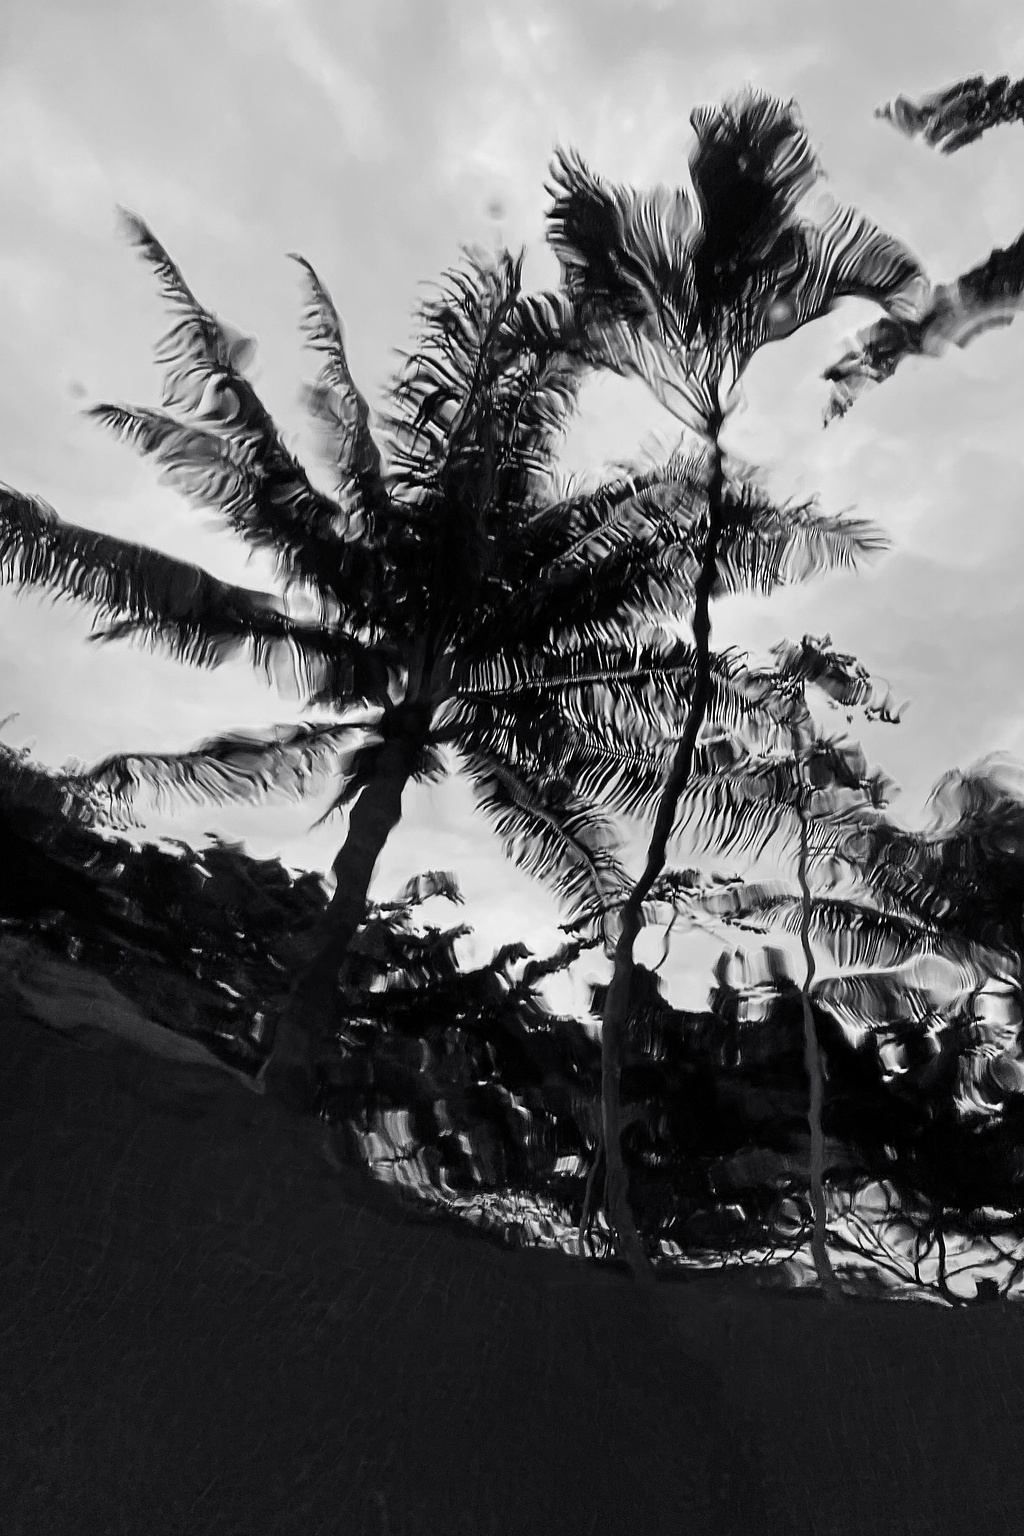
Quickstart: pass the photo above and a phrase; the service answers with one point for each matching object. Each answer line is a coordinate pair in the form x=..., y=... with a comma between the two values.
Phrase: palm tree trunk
x=617, y=1002
x=290, y=1071
x=812, y=1058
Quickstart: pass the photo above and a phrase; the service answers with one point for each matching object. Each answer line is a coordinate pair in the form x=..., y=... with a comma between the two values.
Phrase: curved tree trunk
x=290, y=1071
x=812, y=1061
x=617, y=1003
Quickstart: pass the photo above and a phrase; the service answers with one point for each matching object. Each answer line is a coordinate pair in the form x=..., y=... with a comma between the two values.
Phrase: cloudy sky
x=377, y=139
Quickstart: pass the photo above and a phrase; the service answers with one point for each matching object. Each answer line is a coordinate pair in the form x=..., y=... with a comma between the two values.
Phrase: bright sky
x=379, y=138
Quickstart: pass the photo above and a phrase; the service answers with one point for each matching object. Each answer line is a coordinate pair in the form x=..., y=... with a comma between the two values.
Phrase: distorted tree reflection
x=682, y=291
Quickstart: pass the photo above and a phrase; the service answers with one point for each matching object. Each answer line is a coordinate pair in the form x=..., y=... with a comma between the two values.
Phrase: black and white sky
x=377, y=139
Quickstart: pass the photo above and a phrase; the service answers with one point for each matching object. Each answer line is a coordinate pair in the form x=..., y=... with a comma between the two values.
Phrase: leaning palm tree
x=450, y=604
x=681, y=291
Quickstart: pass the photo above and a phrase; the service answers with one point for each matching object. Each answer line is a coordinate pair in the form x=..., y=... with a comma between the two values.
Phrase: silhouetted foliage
x=467, y=1084
x=987, y=296
x=958, y=114
x=462, y=607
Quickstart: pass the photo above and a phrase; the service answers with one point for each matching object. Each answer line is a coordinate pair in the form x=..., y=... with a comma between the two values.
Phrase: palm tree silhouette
x=463, y=607
x=681, y=291
x=803, y=789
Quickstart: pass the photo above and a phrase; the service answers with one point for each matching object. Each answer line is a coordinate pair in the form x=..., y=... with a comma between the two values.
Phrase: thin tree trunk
x=290, y=1071
x=589, y=1198
x=617, y=1002
x=812, y=1059
x=943, y=1282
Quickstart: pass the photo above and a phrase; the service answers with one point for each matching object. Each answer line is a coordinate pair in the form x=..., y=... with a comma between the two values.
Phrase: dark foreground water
x=206, y=1328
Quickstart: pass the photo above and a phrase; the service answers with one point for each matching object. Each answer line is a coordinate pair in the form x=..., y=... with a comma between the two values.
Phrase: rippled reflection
x=464, y=1088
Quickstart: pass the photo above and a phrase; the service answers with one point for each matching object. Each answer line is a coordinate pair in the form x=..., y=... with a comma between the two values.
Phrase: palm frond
x=433, y=882
x=963, y=872
x=633, y=694
x=682, y=293
x=587, y=663
x=288, y=760
x=988, y=296
x=730, y=899
x=765, y=546
x=199, y=346
x=727, y=816
x=899, y=867
x=622, y=253
x=682, y=383
x=778, y=250
x=599, y=759
x=841, y=677
x=538, y=329
x=206, y=361
x=958, y=114
x=845, y=255
x=337, y=405
x=855, y=934
x=740, y=803
x=476, y=410
x=610, y=561
x=445, y=385
x=655, y=508
x=913, y=995
x=303, y=530
x=626, y=264
x=511, y=672
x=551, y=832
x=874, y=1000
x=144, y=594
x=633, y=589
x=626, y=779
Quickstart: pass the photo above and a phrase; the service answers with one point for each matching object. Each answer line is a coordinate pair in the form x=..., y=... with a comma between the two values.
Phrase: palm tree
x=955, y=1047
x=763, y=546
x=802, y=787
x=681, y=291
x=988, y=295
x=462, y=607
x=891, y=897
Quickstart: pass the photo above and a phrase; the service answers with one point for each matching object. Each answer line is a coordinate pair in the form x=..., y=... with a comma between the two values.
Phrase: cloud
x=351, y=99
x=46, y=164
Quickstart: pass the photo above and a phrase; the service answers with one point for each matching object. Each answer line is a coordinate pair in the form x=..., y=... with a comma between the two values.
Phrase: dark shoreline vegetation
x=465, y=1089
